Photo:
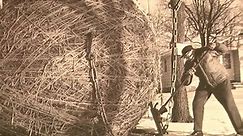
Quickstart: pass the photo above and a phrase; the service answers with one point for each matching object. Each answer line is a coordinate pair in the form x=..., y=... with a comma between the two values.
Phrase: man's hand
x=212, y=46
x=186, y=78
x=191, y=71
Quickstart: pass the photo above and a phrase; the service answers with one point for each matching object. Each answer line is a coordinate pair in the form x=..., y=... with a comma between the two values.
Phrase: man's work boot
x=197, y=133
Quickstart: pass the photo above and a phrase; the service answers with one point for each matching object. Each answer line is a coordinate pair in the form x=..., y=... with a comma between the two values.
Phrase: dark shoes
x=196, y=133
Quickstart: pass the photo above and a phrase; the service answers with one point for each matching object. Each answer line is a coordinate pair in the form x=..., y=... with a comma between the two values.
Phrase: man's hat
x=185, y=50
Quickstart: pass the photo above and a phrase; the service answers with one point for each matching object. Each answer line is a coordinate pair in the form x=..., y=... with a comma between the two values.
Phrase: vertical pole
x=148, y=7
x=1, y=4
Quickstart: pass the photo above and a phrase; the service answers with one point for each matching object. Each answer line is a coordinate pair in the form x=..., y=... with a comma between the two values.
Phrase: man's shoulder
x=201, y=49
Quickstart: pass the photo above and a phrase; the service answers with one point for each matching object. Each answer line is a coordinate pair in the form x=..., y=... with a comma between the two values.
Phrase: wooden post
x=1, y=4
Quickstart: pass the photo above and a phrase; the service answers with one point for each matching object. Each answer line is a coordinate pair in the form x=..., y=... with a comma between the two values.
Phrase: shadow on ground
x=153, y=132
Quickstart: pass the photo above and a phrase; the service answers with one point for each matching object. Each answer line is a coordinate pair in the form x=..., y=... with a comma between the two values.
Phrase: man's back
x=210, y=68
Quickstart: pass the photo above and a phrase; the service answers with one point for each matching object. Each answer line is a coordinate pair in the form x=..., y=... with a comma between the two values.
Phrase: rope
x=93, y=76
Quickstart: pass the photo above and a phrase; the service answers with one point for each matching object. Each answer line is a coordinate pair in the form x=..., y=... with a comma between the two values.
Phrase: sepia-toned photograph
x=121, y=67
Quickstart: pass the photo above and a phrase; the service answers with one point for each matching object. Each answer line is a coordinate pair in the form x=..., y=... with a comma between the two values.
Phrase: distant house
x=232, y=60
x=166, y=70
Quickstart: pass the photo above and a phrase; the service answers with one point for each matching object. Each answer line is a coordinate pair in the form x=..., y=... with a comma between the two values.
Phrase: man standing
x=213, y=79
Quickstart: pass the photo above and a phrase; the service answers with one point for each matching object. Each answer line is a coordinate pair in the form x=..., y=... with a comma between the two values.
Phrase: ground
x=216, y=121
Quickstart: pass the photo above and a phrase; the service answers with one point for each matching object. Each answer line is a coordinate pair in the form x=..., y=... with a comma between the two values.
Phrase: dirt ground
x=216, y=121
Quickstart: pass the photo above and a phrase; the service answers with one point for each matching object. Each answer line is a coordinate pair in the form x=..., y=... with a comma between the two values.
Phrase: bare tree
x=161, y=21
x=210, y=18
x=180, y=111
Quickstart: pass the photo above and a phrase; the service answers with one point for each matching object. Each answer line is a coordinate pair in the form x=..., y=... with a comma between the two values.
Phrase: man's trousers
x=223, y=94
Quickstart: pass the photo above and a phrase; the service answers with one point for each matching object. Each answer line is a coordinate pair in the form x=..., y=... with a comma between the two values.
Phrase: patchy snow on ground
x=216, y=121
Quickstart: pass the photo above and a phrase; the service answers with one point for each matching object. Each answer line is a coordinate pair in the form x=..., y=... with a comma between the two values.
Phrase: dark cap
x=185, y=50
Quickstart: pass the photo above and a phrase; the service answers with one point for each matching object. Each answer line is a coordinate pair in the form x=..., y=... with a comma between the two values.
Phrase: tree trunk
x=180, y=110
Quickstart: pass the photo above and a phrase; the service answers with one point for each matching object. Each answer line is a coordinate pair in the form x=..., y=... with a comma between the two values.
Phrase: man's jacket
x=209, y=70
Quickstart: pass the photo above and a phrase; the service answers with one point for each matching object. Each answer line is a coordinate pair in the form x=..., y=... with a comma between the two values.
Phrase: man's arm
x=220, y=49
x=187, y=75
